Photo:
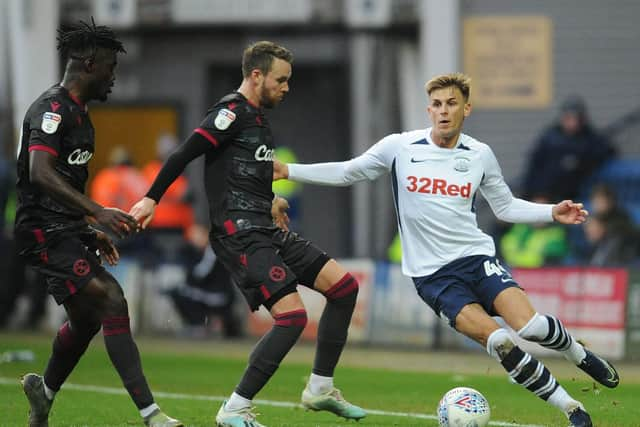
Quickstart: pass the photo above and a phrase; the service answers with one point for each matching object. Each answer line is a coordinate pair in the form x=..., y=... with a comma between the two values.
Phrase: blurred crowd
x=566, y=162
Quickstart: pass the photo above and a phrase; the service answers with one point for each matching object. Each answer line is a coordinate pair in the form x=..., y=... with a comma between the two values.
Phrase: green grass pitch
x=190, y=378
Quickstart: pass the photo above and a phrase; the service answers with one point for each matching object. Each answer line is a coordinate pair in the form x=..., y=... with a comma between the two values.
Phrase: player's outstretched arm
x=569, y=212
x=371, y=164
x=143, y=211
x=193, y=147
x=43, y=174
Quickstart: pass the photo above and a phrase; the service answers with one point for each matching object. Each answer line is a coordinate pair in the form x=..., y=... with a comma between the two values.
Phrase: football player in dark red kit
x=266, y=262
x=53, y=224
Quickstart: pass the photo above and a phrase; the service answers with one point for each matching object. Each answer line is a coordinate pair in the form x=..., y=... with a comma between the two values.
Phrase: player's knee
x=344, y=292
x=294, y=320
x=89, y=328
x=499, y=344
x=536, y=328
x=114, y=304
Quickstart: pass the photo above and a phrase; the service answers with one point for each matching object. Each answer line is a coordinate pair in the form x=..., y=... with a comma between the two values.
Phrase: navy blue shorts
x=474, y=279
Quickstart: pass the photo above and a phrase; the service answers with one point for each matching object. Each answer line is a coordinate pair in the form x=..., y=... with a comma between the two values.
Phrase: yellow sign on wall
x=509, y=59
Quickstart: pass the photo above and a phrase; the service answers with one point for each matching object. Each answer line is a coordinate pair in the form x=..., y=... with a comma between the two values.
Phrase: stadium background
x=360, y=67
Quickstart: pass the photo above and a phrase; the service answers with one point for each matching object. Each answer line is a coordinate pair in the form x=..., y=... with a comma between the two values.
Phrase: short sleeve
x=220, y=124
x=47, y=126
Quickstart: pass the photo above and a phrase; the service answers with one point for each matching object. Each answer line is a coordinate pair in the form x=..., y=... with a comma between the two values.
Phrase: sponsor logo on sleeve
x=224, y=119
x=50, y=122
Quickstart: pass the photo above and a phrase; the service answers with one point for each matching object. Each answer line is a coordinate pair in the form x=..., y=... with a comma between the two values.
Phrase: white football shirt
x=434, y=192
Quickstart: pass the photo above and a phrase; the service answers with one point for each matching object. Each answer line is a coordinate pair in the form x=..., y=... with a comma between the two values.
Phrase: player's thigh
x=474, y=322
x=311, y=265
x=102, y=296
x=67, y=266
x=329, y=275
x=514, y=306
x=288, y=303
x=257, y=268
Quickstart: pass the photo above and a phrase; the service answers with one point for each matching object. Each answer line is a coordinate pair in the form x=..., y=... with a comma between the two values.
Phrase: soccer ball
x=463, y=407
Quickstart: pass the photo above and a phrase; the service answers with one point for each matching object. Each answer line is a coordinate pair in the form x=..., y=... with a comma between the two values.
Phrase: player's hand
x=143, y=211
x=116, y=220
x=279, y=212
x=107, y=249
x=568, y=212
x=280, y=170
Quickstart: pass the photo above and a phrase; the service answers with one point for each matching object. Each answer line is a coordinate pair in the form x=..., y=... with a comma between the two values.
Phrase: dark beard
x=99, y=91
x=266, y=102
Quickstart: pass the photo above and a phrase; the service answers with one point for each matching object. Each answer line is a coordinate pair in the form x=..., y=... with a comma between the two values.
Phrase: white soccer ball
x=463, y=407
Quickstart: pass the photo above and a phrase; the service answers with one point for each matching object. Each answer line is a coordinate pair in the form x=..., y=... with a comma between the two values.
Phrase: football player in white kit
x=436, y=174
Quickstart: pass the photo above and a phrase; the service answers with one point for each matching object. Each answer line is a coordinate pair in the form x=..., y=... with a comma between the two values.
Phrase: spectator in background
x=566, y=154
x=289, y=190
x=610, y=215
x=604, y=201
x=610, y=234
x=608, y=245
x=208, y=291
x=534, y=245
x=120, y=184
x=175, y=211
x=18, y=278
x=394, y=251
x=169, y=230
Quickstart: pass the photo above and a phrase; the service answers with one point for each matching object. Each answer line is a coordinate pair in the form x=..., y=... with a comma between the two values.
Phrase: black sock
x=126, y=359
x=334, y=325
x=68, y=346
x=269, y=352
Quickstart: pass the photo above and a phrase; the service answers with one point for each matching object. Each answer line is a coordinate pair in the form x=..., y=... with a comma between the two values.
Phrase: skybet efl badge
x=50, y=122
x=224, y=119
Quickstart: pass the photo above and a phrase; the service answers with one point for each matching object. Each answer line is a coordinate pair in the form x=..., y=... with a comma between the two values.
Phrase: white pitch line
x=182, y=396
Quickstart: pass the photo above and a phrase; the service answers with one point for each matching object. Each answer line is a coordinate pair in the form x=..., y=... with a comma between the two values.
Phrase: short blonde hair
x=460, y=80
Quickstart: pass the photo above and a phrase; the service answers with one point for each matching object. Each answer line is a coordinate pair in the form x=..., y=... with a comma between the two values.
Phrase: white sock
x=538, y=328
x=561, y=400
x=236, y=402
x=145, y=412
x=319, y=384
x=575, y=353
x=48, y=392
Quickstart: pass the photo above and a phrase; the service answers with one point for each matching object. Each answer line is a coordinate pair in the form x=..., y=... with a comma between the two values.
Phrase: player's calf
x=269, y=352
x=334, y=324
x=549, y=332
x=525, y=370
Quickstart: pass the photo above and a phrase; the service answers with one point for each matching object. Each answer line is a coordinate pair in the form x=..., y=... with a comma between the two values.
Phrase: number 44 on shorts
x=496, y=268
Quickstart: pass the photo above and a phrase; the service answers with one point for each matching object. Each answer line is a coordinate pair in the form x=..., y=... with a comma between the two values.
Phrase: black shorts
x=67, y=263
x=267, y=261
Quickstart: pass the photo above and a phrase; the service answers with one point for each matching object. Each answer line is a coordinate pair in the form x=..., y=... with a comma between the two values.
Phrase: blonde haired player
x=436, y=174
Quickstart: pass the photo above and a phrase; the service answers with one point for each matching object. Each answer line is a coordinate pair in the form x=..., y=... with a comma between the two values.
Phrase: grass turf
x=203, y=378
